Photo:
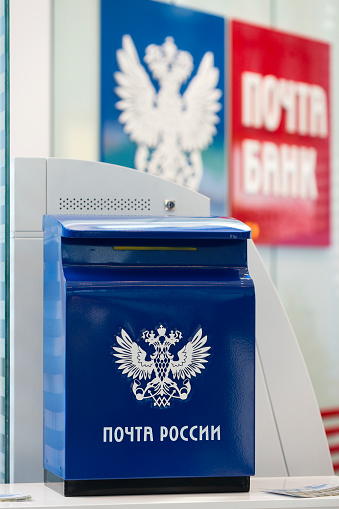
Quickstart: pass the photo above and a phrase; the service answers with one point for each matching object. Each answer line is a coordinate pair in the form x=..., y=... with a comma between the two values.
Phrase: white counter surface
x=43, y=497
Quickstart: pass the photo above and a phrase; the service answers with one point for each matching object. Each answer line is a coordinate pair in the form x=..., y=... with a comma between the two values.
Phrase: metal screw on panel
x=169, y=205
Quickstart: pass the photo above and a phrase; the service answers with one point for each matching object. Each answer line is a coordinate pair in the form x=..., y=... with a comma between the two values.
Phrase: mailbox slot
x=108, y=251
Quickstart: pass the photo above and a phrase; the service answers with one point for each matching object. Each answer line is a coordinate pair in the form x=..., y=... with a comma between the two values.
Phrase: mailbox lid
x=150, y=227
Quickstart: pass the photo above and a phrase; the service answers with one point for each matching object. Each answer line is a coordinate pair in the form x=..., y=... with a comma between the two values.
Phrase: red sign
x=279, y=158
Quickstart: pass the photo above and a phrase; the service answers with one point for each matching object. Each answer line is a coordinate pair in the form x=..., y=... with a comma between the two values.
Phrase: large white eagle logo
x=170, y=129
x=161, y=366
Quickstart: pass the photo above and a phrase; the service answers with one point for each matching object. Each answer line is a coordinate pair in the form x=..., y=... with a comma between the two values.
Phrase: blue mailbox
x=149, y=355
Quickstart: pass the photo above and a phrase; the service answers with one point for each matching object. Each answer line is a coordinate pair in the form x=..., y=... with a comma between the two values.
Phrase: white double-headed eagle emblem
x=169, y=128
x=161, y=370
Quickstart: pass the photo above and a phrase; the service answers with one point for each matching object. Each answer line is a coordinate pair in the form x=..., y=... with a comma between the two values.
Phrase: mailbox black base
x=146, y=486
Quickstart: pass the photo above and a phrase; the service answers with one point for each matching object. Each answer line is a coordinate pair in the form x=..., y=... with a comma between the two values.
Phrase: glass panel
x=4, y=230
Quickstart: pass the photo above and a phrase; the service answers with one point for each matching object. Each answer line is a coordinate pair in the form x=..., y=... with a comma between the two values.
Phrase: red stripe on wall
x=330, y=412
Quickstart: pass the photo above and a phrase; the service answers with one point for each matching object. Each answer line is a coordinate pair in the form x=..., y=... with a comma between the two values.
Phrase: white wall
x=30, y=78
x=308, y=279
x=76, y=78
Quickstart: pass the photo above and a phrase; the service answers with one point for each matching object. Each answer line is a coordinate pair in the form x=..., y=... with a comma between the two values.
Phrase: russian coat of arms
x=170, y=129
x=161, y=378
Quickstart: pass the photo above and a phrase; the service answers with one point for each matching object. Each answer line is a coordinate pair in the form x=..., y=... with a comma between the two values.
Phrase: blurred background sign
x=280, y=156
x=162, y=94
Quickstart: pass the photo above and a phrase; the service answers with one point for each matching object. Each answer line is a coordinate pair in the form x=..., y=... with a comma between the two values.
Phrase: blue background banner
x=149, y=22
